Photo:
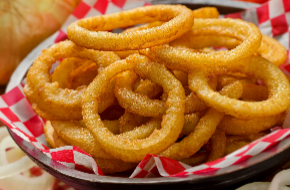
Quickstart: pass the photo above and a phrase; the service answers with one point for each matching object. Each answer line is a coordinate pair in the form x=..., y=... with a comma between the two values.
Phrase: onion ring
x=255, y=66
x=199, y=42
x=178, y=20
x=253, y=92
x=58, y=141
x=270, y=48
x=236, y=142
x=129, y=121
x=106, y=165
x=190, y=122
x=135, y=102
x=62, y=72
x=49, y=101
x=113, y=166
x=196, y=159
x=181, y=76
x=218, y=144
x=206, y=12
x=205, y=128
x=141, y=104
x=77, y=134
x=48, y=131
x=234, y=126
x=233, y=146
x=159, y=140
x=82, y=76
x=73, y=73
x=179, y=59
x=223, y=80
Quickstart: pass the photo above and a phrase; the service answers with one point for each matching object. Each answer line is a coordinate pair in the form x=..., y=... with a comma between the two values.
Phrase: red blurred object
x=255, y=1
x=36, y=171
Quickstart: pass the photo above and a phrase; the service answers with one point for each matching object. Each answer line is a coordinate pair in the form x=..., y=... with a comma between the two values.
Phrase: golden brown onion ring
x=135, y=102
x=235, y=145
x=146, y=87
x=196, y=159
x=48, y=131
x=106, y=165
x=144, y=26
x=180, y=59
x=206, y=12
x=82, y=76
x=91, y=32
x=218, y=144
x=59, y=142
x=236, y=142
x=62, y=72
x=172, y=123
x=73, y=73
x=199, y=42
x=190, y=122
x=77, y=134
x=270, y=48
x=205, y=128
x=124, y=54
x=141, y=104
x=113, y=166
x=130, y=121
x=256, y=67
x=181, y=76
x=234, y=126
x=254, y=92
x=223, y=80
x=47, y=99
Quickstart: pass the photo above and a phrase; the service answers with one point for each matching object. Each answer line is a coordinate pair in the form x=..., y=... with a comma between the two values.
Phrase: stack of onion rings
x=180, y=98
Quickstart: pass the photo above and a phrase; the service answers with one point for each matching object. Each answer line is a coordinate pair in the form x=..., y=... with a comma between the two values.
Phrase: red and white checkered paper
x=273, y=19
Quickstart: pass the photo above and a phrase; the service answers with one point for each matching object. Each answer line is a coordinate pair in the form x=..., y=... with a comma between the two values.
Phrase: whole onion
x=24, y=24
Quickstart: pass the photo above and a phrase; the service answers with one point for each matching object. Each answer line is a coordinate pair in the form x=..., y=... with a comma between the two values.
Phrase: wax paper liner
x=273, y=19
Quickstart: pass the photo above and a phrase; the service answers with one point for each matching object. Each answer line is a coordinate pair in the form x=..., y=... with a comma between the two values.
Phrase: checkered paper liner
x=273, y=19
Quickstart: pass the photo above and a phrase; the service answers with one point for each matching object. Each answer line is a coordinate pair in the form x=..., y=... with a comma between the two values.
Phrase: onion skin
x=22, y=28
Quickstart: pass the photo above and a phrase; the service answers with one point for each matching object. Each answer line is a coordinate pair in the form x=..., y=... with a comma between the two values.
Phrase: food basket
x=255, y=168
